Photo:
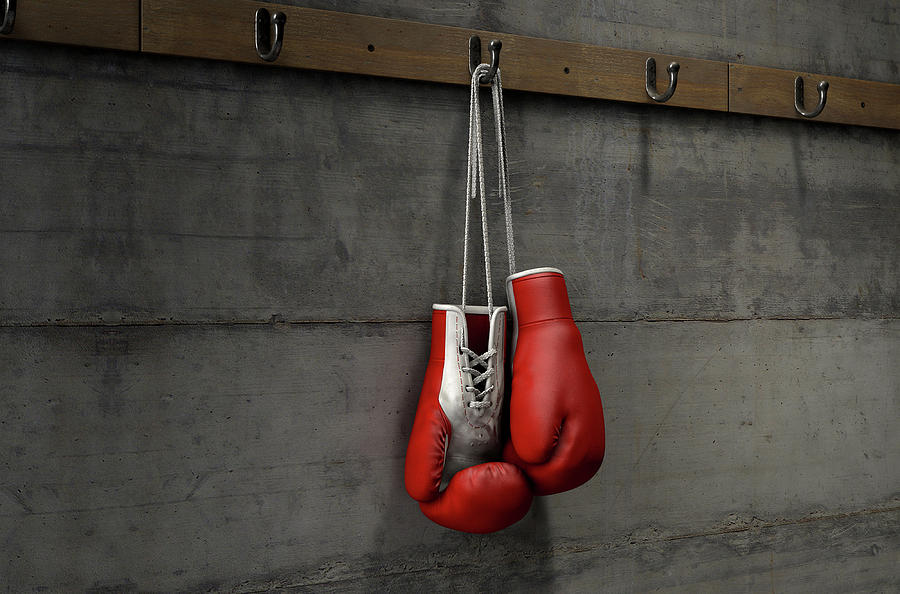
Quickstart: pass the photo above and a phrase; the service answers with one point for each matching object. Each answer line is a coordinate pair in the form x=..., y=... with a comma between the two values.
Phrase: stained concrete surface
x=217, y=280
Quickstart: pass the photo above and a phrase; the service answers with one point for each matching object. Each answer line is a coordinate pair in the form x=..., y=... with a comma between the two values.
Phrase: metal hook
x=673, y=69
x=9, y=17
x=798, y=98
x=475, y=58
x=264, y=48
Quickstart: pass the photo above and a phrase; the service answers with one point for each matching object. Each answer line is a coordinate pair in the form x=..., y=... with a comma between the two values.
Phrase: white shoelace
x=475, y=361
x=475, y=178
x=475, y=186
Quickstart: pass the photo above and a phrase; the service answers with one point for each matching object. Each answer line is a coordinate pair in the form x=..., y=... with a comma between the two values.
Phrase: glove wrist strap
x=539, y=297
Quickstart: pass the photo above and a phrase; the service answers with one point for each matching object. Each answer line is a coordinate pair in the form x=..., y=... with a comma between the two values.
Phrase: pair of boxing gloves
x=457, y=466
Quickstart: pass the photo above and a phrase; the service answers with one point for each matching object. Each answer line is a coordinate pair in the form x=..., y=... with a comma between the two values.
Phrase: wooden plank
x=132, y=460
x=344, y=42
x=223, y=191
x=276, y=452
x=770, y=92
x=341, y=42
x=94, y=23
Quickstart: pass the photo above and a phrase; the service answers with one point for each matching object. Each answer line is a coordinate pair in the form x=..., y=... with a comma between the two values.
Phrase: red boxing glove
x=556, y=416
x=456, y=432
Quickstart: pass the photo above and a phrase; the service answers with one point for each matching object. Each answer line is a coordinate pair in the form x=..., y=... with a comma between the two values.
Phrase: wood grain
x=343, y=42
x=93, y=23
x=770, y=92
x=187, y=453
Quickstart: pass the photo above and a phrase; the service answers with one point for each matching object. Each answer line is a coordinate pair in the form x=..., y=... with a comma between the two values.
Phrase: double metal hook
x=475, y=58
x=673, y=69
x=267, y=50
x=798, y=98
x=9, y=17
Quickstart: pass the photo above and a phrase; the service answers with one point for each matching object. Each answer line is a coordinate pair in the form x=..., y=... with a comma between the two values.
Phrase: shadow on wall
x=413, y=553
x=434, y=557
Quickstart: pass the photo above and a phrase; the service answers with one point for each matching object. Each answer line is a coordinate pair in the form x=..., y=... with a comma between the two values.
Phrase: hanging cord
x=475, y=185
x=469, y=178
x=475, y=178
x=479, y=366
x=503, y=167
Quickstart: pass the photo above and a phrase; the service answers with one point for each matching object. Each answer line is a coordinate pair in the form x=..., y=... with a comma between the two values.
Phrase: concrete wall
x=216, y=290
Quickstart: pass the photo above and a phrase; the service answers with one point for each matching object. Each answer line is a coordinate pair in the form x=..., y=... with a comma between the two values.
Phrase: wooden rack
x=342, y=42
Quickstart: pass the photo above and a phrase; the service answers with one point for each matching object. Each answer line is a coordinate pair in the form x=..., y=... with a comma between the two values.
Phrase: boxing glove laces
x=451, y=462
x=453, y=467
